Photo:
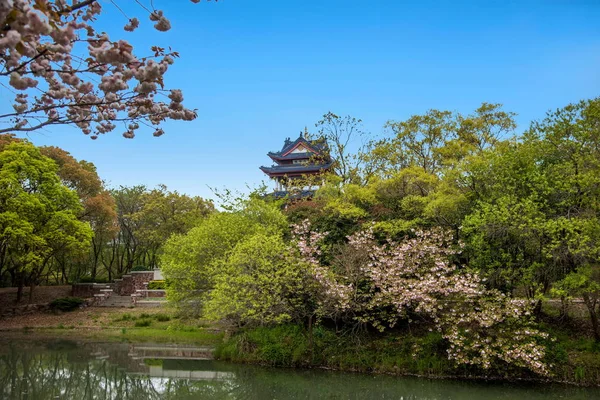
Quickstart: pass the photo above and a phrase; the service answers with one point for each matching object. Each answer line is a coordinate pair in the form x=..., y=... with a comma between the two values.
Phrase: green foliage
x=584, y=283
x=157, y=285
x=395, y=228
x=290, y=346
x=39, y=215
x=191, y=262
x=66, y=303
x=126, y=317
x=283, y=345
x=259, y=282
x=400, y=352
x=146, y=218
x=536, y=213
x=143, y=322
x=162, y=317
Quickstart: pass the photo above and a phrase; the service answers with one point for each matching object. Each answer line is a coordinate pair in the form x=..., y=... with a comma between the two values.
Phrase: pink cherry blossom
x=79, y=76
x=416, y=277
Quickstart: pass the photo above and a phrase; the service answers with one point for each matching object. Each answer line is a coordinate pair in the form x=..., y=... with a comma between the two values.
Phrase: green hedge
x=157, y=285
x=66, y=303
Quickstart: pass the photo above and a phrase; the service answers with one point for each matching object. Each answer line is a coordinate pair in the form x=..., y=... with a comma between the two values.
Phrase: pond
x=38, y=369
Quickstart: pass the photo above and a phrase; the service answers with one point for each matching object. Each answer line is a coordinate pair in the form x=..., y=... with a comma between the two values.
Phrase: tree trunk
x=594, y=318
x=591, y=305
x=20, y=289
x=31, y=292
x=537, y=309
x=564, y=312
x=310, y=338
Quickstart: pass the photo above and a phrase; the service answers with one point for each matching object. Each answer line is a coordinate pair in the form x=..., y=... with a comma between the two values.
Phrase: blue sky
x=259, y=71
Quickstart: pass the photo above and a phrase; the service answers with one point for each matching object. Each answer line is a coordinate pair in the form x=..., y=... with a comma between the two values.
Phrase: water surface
x=38, y=369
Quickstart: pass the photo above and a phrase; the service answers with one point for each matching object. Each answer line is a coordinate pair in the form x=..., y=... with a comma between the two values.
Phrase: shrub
x=142, y=323
x=66, y=303
x=157, y=285
x=126, y=317
x=162, y=317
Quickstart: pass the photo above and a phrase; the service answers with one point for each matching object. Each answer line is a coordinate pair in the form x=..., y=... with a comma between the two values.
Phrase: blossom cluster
x=65, y=72
x=417, y=277
x=334, y=295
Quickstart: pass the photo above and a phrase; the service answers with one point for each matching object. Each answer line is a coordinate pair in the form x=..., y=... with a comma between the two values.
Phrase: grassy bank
x=155, y=335
x=139, y=325
x=401, y=353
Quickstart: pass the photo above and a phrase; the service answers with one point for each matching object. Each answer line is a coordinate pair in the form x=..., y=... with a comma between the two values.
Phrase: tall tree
x=166, y=213
x=99, y=210
x=420, y=138
x=39, y=215
x=126, y=246
x=146, y=219
x=537, y=214
x=341, y=133
x=438, y=139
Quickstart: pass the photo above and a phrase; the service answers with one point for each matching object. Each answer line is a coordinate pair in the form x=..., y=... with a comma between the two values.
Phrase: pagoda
x=296, y=163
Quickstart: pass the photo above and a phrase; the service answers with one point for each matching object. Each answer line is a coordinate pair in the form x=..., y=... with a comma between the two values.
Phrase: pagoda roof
x=291, y=156
x=295, y=169
x=314, y=147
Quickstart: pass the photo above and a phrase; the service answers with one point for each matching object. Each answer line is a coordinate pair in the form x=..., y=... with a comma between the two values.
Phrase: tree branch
x=77, y=6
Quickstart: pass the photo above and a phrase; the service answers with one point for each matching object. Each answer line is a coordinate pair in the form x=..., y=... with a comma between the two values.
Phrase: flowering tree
x=415, y=278
x=62, y=71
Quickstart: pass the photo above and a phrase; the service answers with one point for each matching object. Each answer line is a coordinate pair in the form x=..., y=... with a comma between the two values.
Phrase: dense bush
x=66, y=303
x=142, y=323
x=157, y=285
x=162, y=317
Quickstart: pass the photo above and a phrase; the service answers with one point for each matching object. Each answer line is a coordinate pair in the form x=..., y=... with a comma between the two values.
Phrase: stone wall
x=87, y=290
x=122, y=285
x=140, y=279
x=132, y=282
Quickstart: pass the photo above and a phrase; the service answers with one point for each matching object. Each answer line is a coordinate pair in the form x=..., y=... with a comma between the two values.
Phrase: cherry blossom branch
x=109, y=84
x=77, y=6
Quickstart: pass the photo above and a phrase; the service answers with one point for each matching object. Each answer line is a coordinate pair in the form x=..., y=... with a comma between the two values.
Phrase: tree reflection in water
x=66, y=370
x=39, y=370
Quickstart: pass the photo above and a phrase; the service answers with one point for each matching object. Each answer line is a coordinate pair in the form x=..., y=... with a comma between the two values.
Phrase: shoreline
x=373, y=356
x=113, y=324
x=108, y=335
x=376, y=355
